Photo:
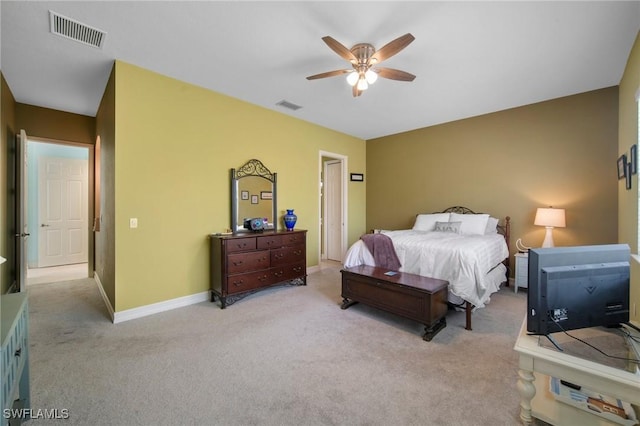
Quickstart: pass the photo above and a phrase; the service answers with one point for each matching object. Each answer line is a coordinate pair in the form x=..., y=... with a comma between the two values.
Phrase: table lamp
x=549, y=218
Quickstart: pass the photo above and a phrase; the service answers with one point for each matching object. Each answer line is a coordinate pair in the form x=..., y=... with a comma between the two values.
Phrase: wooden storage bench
x=412, y=296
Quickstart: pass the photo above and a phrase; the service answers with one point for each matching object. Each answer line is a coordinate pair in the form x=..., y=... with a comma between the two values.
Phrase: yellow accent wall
x=174, y=146
x=628, y=199
x=559, y=153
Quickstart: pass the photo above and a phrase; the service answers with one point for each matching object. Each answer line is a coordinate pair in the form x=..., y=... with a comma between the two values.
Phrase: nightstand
x=522, y=271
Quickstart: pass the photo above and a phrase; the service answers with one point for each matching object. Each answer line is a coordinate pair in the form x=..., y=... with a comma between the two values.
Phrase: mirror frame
x=252, y=167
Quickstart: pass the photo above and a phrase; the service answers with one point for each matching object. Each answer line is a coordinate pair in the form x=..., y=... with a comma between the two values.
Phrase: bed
x=468, y=249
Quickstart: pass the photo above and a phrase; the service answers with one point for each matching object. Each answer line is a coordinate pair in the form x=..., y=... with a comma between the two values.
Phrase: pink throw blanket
x=381, y=248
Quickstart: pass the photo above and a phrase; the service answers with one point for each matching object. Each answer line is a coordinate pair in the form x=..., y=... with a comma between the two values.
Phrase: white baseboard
x=103, y=294
x=154, y=308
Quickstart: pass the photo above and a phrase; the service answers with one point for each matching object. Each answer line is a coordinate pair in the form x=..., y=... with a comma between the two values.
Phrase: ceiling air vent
x=74, y=30
x=289, y=105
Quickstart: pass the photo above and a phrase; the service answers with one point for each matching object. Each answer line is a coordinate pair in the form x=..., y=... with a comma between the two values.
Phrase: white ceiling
x=470, y=58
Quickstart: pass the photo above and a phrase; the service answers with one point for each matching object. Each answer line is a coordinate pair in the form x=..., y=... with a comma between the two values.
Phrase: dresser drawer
x=247, y=262
x=244, y=282
x=293, y=238
x=271, y=241
x=241, y=244
x=287, y=255
x=288, y=272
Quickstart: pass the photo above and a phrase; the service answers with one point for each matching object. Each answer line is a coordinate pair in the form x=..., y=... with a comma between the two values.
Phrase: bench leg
x=431, y=331
x=346, y=302
x=468, y=309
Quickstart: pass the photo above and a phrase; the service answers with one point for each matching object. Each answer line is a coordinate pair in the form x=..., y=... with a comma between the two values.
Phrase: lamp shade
x=550, y=217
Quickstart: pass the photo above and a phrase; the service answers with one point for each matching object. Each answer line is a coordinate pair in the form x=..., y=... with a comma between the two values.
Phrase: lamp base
x=548, y=237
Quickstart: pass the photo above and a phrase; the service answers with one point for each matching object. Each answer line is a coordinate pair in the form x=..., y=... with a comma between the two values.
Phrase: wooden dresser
x=244, y=263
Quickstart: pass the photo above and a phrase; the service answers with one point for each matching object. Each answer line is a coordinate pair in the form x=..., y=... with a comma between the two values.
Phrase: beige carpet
x=284, y=356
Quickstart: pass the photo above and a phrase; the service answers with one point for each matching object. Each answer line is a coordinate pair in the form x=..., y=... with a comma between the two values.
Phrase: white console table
x=14, y=355
x=537, y=363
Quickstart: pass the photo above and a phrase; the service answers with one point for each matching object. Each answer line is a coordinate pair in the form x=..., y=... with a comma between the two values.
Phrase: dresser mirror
x=253, y=195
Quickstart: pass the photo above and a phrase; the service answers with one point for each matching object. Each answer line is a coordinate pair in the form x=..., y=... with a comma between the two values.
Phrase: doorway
x=57, y=191
x=333, y=206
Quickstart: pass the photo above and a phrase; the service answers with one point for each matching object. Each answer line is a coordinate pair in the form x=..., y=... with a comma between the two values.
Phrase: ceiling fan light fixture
x=352, y=78
x=363, y=56
x=371, y=76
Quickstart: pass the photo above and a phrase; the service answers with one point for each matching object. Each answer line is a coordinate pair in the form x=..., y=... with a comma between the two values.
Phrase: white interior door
x=62, y=211
x=21, y=215
x=333, y=220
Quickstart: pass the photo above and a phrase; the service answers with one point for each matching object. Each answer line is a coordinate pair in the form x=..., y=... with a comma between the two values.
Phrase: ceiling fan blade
x=328, y=74
x=356, y=92
x=340, y=49
x=392, y=74
x=391, y=48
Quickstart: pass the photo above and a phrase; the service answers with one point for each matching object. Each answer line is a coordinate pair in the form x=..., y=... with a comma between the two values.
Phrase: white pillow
x=427, y=222
x=472, y=224
x=448, y=227
x=492, y=226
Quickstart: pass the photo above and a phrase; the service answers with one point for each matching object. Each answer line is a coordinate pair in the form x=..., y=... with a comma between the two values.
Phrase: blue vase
x=290, y=220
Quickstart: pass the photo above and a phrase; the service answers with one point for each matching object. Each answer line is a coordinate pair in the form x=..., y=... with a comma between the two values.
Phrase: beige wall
x=560, y=153
x=628, y=199
x=55, y=125
x=174, y=146
x=105, y=245
x=7, y=130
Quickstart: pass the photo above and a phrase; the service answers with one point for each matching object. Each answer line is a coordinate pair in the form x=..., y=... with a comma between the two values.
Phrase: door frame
x=344, y=201
x=90, y=192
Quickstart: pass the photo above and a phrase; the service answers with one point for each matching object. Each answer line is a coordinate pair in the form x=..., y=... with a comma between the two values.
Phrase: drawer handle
x=279, y=273
x=238, y=263
x=297, y=252
x=238, y=283
x=262, y=278
x=297, y=269
x=279, y=256
x=18, y=352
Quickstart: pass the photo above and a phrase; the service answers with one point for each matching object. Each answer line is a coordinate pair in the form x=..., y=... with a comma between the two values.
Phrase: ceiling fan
x=364, y=59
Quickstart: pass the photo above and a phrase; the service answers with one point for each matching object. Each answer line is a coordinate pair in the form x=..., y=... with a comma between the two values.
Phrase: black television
x=577, y=287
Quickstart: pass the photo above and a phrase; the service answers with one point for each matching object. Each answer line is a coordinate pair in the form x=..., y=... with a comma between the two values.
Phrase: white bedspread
x=469, y=262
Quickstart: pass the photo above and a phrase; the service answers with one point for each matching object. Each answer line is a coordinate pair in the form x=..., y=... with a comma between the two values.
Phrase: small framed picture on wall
x=622, y=166
x=633, y=159
x=628, y=176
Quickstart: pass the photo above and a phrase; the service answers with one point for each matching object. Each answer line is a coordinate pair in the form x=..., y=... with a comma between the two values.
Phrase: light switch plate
x=133, y=222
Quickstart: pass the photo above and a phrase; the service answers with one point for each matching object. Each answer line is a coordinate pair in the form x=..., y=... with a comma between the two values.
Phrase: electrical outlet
x=133, y=222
